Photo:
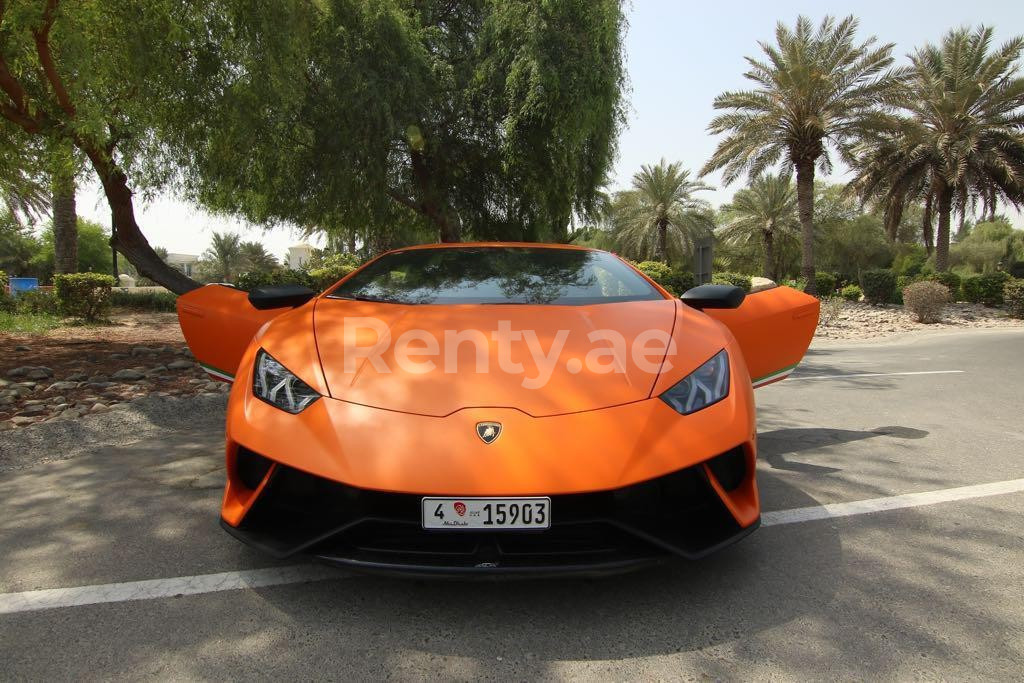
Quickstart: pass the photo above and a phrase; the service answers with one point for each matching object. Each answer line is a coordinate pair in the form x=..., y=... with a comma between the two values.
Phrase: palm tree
x=659, y=217
x=817, y=89
x=256, y=258
x=960, y=136
x=765, y=212
x=224, y=256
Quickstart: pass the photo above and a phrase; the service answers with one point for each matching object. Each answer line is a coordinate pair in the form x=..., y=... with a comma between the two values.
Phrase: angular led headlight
x=706, y=385
x=273, y=383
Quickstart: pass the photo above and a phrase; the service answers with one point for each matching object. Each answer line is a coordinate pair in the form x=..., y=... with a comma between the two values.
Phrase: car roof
x=464, y=245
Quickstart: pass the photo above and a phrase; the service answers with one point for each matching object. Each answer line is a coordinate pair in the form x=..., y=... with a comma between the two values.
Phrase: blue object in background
x=23, y=284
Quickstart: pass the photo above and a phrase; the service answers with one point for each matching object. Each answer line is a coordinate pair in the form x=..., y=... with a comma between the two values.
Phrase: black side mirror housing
x=280, y=296
x=713, y=296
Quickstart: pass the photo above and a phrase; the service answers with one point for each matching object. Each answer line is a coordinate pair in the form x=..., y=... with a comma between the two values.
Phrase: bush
x=951, y=280
x=831, y=307
x=878, y=285
x=681, y=280
x=1013, y=297
x=735, y=279
x=902, y=282
x=926, y=300
x=826, y=284
x=7, y=303
x=35, y=302
x=851, y=293
x=283, y=276
x=660, y=273
x=985, y=289
x=83, y=295
x=144, y=301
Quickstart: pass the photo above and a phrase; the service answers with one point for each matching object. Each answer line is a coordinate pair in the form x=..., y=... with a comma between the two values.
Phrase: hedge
x=83, y=295
x=985, y=289
x=735, y=279
x=825, y=283
x=879, y=285
x=251, y=280
x=951, y=280
x=851, y=293
x=144, y=301
x=1013, y=297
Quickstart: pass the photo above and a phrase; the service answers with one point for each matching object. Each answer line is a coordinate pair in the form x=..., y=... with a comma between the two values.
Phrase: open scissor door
x=218, y=323
x=774, y=327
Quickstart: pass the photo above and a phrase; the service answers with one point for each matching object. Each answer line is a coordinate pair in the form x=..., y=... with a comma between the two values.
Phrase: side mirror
x=713, y=296
x=280, y=296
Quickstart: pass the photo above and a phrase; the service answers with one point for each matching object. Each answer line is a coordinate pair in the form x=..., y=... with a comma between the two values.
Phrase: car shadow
x=775, y=445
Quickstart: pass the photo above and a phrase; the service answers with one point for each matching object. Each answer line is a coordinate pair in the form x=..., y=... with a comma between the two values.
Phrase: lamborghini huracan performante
x=493, y=408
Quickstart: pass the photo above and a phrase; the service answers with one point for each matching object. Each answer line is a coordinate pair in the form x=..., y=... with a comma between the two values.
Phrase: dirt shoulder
x=860, y=321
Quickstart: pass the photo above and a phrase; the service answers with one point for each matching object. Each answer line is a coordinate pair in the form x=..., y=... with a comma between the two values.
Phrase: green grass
x=28, y=323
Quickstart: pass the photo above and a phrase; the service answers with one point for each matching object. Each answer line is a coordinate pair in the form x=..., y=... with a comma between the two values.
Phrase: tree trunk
x=65, y=224
x=992, y=204
x=944, y=202
x=927, y=235
x=663, y=240
x=768, y=241
x=805, y=201
x=127, y=237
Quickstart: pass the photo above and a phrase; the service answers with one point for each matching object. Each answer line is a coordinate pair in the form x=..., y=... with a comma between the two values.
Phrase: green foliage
x=660, y=217
x=223, y=259
x=878, y=285
x=902, y=282
x=851, y=293
x=328, y=269
x=850, y=246
x=681, y=280
x=825, y=283
x=736, y=279
x=926, y=300
x=254, y=256
x=1013, y=297
x=909, y=259
x=491, y=119
x=281, y=276
x=144, y=301
x=35, y=302
x=984, y=289
x=951, y=280
x=990, y=246
x=21, y=323
x=83, y=295
x=7, y=303
x=762, y=219
x=93, y=250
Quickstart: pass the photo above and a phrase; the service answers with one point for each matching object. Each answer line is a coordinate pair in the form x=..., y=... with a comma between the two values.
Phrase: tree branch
x=405, y=201
x=42, y=38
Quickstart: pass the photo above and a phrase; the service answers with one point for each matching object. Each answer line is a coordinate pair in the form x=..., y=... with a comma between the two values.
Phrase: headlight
x=273, y=383
x=706, y=385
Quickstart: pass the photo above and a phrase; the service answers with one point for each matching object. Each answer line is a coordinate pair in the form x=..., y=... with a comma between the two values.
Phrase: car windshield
x=497, y=275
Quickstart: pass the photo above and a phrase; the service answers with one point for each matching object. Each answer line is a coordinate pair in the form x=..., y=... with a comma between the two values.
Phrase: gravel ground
x=144, y=418
x=858, y=320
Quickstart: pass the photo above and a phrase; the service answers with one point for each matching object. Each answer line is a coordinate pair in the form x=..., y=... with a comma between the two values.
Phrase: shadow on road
x=775, y=445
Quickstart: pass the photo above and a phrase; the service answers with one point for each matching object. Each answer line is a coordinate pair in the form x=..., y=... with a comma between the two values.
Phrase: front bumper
x=683, y=513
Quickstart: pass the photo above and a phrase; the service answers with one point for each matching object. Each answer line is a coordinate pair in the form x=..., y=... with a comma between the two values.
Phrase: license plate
x=486, y=513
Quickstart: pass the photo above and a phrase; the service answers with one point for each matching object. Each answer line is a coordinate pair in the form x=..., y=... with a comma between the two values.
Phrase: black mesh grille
x=678, y=513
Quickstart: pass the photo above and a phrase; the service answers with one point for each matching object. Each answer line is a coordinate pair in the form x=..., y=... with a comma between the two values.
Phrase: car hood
x=468, y=374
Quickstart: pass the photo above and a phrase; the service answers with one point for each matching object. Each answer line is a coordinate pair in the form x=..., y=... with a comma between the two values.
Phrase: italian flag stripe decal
x=773, y=376
x=217, y=374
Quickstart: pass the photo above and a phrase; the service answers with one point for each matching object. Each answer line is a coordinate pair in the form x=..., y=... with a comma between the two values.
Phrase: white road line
x=875, y=374
x=52, y=598
x=906, y=500
x=161, y=588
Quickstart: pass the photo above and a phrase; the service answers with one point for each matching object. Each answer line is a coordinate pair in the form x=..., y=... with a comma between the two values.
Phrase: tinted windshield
x=497, y=275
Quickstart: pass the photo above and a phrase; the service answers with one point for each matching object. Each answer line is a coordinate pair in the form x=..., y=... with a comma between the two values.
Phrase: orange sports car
x=493, y=408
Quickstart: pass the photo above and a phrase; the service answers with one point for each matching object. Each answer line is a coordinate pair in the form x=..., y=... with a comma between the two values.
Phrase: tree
x=23, y=192
x=122, y=82
x=818, y=88
x=959, y=135
x=254, y=257
x=766, y=213
x=659, y=217
x=484, y=118
x=223, y=259
x=65, y=214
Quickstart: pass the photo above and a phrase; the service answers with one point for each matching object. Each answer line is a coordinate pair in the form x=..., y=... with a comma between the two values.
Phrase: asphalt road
x=929, y=591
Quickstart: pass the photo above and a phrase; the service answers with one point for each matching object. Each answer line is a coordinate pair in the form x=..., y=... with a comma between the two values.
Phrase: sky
x=680, y=55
